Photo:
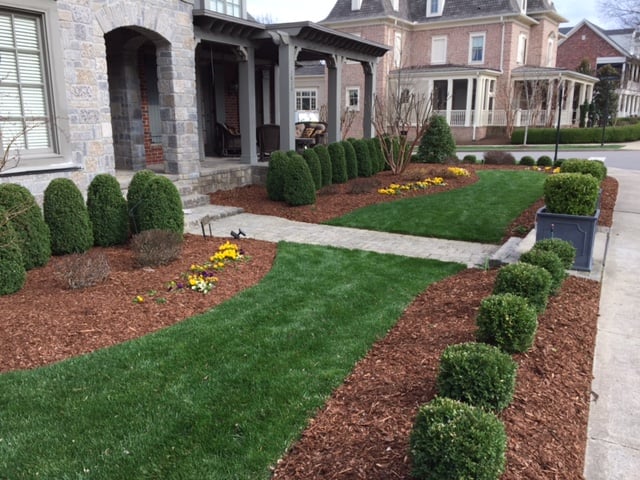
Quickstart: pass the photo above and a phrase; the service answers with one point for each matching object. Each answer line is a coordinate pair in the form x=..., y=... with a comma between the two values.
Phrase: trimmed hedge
x=12, y=271
x=437, y=144
x=528, y=281
x=527, y=161
x=551, y=262
x=595, y=168
x=365, y=166
x=162, y=208
x=565, y=250
x=545, y=161
x=67, y=217
x=313, y=162
x=34, y=238
x=338, y=163
x=626, y=133
x=137, y=196
x=571, y=193
x=275, y=175
x=378, y=161
x=478, y=374
x=351, y=159
x=107, y=211
x=325, y=164
x=299, y=188
x=451, y=440
x=507, y=321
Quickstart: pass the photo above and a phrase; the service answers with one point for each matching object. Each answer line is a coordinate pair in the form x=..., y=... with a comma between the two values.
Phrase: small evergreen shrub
x=378, y=161
x=571, y=193
x=499, y=157
x=299, y=188
x=437, y=143
x=451, y=440
x=313, y=162
x=478, y=374
x=528, y=161
x=470, y=159
x=596, y=168
x=162, y=209
x=338, y=163
x=551, y=262
x=107, y=211
x=67, y=217
x=564, y=249
x=507, y=321
x=137, y=196
x=28, y=223
x=365, y=166
x=351, y=159
x=325, y=164
x=558, y=163
x=81, y=270
x=545, y=161
x=153, y=248
x=528, y=281
x=12, y=271
x=275, y=176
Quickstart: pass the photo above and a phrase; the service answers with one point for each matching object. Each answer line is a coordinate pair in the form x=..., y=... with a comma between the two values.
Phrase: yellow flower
x=138, y=299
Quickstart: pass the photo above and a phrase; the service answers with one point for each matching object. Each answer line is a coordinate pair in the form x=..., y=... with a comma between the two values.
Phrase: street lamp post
x=560, y=96
x=607, y=86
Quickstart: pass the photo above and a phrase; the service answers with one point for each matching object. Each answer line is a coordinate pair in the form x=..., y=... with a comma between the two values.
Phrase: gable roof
x=415, y=11
x=621, y=39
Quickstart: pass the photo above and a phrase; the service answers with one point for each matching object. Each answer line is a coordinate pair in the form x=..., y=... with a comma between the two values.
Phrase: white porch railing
x=498, y=118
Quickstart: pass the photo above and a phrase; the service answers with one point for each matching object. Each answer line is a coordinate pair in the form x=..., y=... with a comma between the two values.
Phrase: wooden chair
x=268, y=140
x=229, y=140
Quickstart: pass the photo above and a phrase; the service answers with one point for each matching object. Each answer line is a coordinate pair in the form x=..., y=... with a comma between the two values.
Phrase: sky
x=293, y=11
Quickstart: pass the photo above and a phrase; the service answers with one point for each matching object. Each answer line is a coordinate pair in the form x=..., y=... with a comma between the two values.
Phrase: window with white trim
x=476, y=47
x=435, y=8
x=397, y=49
x=551, y=42
x=395, y=4
x=522, y=49
x=523, y=6
x=438, y=50
x=228, y=7
x=356, y=4
x=306, y=100
x=353, y=98
x=26, y=123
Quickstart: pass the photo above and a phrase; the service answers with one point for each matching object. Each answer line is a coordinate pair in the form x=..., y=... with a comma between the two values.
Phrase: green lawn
x=221, y=395
x=478, y=213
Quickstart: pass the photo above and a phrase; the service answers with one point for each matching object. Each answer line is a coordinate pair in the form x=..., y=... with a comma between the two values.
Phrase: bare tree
x=624, y=12
x=510, y=98
x=346, y=120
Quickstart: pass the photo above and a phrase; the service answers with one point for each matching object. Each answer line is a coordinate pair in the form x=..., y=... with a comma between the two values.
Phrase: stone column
x=334, y=65
x=287, y=58
x=369, y=69
x=247, y=104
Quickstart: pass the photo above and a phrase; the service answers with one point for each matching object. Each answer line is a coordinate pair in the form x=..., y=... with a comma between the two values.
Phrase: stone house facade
x=619, y=48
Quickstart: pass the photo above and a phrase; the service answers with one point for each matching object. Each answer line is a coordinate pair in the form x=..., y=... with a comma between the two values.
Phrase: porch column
x=266, y=97
x=571, y=86
x=247, y=104
x=469, y=106
x=334, y=65
x=287, y=59
x=369, y=98
x=449, y=100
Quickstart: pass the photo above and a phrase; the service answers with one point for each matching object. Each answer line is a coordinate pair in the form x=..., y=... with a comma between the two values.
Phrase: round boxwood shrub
x=299, y=188
x=12, y=271
x=313, y=162
x=528, y=281
x=564, y=249
x=136, y=196
x=571, y=194
x=507, y=321
x=378, y=161
x=437, y=143
x=351, y=159
x=558, y=163
x=162, y=209
x=107, y=211
x=479, y=374
x=596, y=168
x=528, y=161
x=545, y=161
x=338, y=163
x=325, y=164
x=275, y=175
x=453, y=440
x=28, y=223
x=470, y=159
x=67, y=217
x=551, y=262
x=365, y=167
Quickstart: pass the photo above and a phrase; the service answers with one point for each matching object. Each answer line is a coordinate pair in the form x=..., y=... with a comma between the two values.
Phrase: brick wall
x=154, y=154
x=583, y=44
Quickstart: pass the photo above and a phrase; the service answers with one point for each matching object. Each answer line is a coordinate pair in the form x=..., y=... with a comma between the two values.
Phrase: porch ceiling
x=549, y=73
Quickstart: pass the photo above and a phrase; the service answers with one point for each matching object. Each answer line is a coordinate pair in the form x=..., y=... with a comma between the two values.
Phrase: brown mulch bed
x=362, y=432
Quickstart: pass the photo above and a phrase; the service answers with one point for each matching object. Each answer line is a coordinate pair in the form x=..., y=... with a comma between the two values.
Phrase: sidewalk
x=613, y=446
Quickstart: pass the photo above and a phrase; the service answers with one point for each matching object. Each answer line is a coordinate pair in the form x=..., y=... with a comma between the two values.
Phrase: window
x=522, y=49
x=25, y=90
x=434, y=8
x=395, y=4
x=523, y=5
x=551, y=50
x=476, y=48
x=228, y=7
x=438, y=50
x=397, y=49
x=356, y=4
x=353, y=98
x=306, y=100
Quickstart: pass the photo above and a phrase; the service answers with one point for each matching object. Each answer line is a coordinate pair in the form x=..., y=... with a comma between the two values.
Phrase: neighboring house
x=619, y=48
x=471, y=57
x=96, y=86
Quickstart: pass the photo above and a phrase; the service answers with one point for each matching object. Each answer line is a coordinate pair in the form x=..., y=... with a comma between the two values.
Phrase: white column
x=449, y=99
x=334, y=66
x=247, y=106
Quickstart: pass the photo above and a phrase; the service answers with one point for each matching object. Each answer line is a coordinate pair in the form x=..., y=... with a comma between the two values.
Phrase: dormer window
x=434, y=8
x=356, y=4
x=232, y=8
x=523, y=5
x=395, y=4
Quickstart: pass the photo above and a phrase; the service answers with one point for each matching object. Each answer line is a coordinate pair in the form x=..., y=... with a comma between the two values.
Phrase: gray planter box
x=577, y=229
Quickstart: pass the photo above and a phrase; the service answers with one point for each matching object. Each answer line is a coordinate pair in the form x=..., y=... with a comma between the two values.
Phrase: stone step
x=194, y=200
x=199, y=217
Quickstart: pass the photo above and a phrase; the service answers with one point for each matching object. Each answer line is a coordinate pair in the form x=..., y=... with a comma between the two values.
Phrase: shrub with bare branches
x=81, y=270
